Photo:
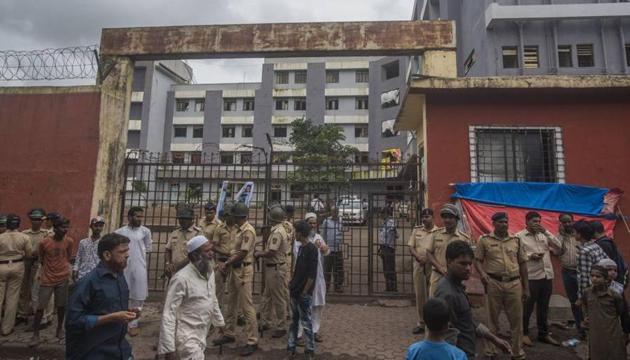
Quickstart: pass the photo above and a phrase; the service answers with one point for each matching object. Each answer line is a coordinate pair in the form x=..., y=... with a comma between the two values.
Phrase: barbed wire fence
x=78, y=62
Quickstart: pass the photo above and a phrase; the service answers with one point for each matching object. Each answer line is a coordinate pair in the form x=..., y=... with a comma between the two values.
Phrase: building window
x=361, y=103
x=246, y=158
x=296, y=191
x=332, y=76
x=585, y=55
x=248, y=104
x=470, y=61
x=391, y=70
x=247, y=131
x=276, y=193
x=361, y=131
x=227, y=158
x=200, y=105
x=229, y=131
x=510, y=57
x=181, y=105
x=362, y=76
x=195, y=157
x=280, y=131
x=178, y=157
x=361, y=158
x=282, y=104
x=627, y=54
x=515, y=154
x=332, y=104
x=299, y=104
x=282, y=77
x=300, y=77
x=180, y=131
x=229, y=104
x=198, y=132
x=565, y=56
x=530, y=57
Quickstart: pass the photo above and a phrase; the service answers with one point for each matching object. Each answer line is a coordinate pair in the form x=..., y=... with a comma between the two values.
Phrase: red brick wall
x=595, y=132
x=48, y=148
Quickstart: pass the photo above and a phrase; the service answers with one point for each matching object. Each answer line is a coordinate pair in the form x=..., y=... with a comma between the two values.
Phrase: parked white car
x=351, y=210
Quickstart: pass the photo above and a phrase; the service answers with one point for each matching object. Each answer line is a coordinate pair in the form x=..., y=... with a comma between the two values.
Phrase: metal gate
x=159, y=182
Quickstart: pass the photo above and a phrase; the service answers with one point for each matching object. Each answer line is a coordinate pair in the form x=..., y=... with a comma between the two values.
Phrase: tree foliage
x=319, y=154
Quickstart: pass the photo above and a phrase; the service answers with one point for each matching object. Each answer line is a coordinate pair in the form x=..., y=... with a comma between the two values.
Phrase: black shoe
x=263, y=327
x=20, y=320
x=223, y=340
x=418, y=330
x=278, y=334
x=240, y=320
x=249, y=349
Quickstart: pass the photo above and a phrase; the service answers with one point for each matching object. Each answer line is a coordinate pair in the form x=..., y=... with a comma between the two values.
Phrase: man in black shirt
x=301, y=289
x=459, y=262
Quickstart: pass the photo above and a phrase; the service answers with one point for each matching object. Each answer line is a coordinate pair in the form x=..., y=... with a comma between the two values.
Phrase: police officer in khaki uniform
x=501, y=263
x=15, y=247
x=210, y=222
x=223, y=245
x=176, y=254
x=288, y=226
x=240, y=270
x=439, y=240
x=29, y=291
x=276, y=267
x=3, y=224
x=418, y=244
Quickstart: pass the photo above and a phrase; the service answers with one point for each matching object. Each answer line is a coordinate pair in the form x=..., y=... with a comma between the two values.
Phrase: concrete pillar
x=440, y=63
x=109, y=179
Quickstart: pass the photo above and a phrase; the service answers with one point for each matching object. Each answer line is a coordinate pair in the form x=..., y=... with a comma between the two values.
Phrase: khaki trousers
x=29, y=293
x=421, y=286
x=10, y=281
x=220, y=283
x=239, y=283
x=506, y=296
x=274, y=307
x=435, y=278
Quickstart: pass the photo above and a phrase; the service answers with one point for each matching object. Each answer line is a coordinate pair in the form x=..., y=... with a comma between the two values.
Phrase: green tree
x=318, y=152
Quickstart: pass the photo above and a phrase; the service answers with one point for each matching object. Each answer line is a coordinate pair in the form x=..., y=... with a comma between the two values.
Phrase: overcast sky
x=38, y=24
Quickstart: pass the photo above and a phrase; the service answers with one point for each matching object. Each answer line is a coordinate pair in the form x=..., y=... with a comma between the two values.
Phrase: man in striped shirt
x=589, y=255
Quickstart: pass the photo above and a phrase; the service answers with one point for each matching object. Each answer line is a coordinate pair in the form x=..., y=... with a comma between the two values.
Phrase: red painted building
x=569, y=129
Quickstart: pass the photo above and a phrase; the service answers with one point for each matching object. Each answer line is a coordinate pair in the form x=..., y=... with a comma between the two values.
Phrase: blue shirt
x=100, y=292
x=332, y=233
x=428, y=350
x=387, y=233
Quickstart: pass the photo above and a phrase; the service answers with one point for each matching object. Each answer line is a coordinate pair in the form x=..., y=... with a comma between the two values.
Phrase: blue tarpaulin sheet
x=577, y=199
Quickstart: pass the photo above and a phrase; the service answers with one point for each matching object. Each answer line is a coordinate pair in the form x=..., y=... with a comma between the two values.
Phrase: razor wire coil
x=79, y=62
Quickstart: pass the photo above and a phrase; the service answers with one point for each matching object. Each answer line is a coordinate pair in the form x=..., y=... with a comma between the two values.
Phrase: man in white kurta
x=191, y=305
x=136, y=270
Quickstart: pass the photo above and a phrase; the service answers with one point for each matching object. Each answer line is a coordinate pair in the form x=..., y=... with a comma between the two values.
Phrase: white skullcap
x=195, y=243
x=607, y=263
x=310, y=215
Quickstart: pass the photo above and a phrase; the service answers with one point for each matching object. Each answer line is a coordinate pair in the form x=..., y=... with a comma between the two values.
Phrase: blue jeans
x=301, y=310
x=569, y=278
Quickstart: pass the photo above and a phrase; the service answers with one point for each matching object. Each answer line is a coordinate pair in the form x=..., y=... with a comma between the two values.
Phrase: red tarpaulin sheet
x=478, y=216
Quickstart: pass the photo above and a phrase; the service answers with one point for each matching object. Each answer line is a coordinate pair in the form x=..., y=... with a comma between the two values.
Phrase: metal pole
x=268, y=177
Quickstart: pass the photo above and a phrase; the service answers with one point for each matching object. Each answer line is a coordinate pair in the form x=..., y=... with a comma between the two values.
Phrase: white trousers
x=316, y=317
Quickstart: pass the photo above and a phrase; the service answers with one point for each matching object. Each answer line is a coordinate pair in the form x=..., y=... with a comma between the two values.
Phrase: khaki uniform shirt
x=500, y=257
x=245, y=241
x=569, y=251
x=419, y=240
x=439, y=240
x=177, y=243
x=279, y=242
x=14, y=245
x=36, y=237
x=224, y=237
x=209, y=228
x=538, y=243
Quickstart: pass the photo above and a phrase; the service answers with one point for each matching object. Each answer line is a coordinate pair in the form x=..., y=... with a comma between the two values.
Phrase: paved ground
x=378, y=330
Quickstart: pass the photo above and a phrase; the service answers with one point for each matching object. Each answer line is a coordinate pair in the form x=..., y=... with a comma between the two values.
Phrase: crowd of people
x=517, y=275
x=209, y=267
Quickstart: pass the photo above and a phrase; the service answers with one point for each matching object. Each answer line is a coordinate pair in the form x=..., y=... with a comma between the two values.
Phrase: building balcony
x=496, y=13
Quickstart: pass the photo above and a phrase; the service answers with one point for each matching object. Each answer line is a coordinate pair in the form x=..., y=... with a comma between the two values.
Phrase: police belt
x=274, y=265
x=240, y=264
x=2, y=262
x=503, y=278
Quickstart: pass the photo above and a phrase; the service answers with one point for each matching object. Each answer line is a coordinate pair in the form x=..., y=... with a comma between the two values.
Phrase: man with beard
x=191, y=305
